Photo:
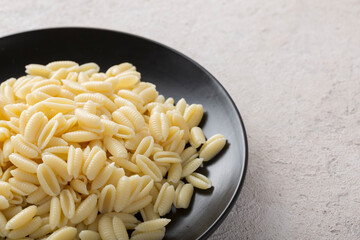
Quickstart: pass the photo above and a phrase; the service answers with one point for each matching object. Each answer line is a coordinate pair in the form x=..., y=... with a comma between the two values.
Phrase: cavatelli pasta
x=83, y=152
x=22, y=218
x=212, y=147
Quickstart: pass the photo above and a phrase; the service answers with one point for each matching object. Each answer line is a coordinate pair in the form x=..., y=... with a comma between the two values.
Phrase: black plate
x=175, y=75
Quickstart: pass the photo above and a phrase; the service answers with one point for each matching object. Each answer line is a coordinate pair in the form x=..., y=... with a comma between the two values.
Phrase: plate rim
x=219, y=220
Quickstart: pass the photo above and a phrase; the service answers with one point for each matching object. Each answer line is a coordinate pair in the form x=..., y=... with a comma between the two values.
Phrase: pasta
x=96, y=155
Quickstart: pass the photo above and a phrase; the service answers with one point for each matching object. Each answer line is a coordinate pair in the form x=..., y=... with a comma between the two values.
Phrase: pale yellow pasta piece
x=44, y=206
x=147, y=185
x=80, y=136
x=119, y=228
x=24, y=147
x=68, y=125
x=89, y=235
x=5, y=189
x=174, y=173
x=199, y=181
x=193, y=114
x=82, y=211
x=79, y=186
x=4, y=203
x=90, y=106
x=51, y=90
x=125, y=81
x=10, y=212
x=129, y=117
x=136, y=183
x=112, y=228
x=148, y=167
x=55, y=213
x=188, y=154
x=22, y=218
x=67, y=203
x=145, y=147
x=159, y=126
x=25, y=230
x=4, y=134
x=183, y=195
x=25, y=89
x=212, y=147
x=74, y=161
x=107, y=199
x=98, y=77
x=3, y=231
x=164, y=199
x=167, y=157
x=133, y=143
x=64, y=233
x=170, y=101
x=37, y=70
x=59, y=74
x=99, y=86
x=36, y=196
x=129, y=220
x=58, y=104
x=152, y=235
x=115, y=147
x=58, y=150
x=83, y=77
x=94, y=163
x=58, y=165
x=6, y=175
x=126, y=164
x=147, y=213
x=146, y=91
x=133, y=98
x=115, y=176
x=197, y=137
x=92, y=216
x=56, y=141
x=47, y=134
x=61, y=64
x=191, y=166
x=152, y=225
x=24, y=176
x=123, y=193
x=178, y=120
x=45, y=82
x=125, y=132
x=41, y=231
x=119, y=69
x=97, y=98
x=138, y=205
x=23, y=163
x=14, y=110
x=16, y=200
x=102, y=178
x=47, y=180
x=87, y=119
x=21, y=187
x=120, y=102
x=110, y=128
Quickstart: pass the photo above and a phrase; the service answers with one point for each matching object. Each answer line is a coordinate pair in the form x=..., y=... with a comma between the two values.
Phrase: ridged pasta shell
x=212, y=147
x=47, y=180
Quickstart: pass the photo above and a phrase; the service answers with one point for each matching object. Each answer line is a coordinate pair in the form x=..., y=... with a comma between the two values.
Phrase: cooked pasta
x=96, y=155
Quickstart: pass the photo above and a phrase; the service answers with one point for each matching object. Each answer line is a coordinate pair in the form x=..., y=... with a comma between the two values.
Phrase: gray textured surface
x=293, y=70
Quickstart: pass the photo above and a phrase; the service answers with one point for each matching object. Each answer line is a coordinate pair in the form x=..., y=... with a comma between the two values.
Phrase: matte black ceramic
x=175, y=75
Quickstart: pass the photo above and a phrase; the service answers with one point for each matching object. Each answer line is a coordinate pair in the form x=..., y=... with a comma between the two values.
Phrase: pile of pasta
x=93, y=155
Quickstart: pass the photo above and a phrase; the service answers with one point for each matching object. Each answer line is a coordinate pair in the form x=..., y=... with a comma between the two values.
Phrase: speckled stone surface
x=292, y=68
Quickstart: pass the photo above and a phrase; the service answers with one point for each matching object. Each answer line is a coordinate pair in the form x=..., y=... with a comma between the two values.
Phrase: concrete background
x=292, y=68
